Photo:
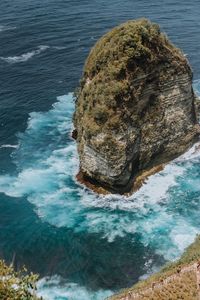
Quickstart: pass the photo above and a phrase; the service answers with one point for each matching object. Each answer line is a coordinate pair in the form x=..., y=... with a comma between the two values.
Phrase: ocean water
x=83, y=246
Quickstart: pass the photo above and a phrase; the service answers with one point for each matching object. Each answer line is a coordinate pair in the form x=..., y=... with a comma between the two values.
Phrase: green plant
x=116, y=70
x=16, y=285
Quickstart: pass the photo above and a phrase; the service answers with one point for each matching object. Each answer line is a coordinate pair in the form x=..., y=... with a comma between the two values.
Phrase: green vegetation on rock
x=130, y=50
x=134, y=107
x=16, y=285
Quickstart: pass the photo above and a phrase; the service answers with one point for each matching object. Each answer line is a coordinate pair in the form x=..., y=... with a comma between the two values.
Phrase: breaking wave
x=56, y=288
x=6, y=28
x=9, y=146
x=26, y=56
x=164, y=212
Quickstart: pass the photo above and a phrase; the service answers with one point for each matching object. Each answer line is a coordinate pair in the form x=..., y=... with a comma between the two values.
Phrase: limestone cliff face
x=135, y=105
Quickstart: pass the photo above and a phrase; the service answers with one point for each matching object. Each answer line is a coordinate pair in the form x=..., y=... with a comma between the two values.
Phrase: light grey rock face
x=169, y=125
x=150, y=122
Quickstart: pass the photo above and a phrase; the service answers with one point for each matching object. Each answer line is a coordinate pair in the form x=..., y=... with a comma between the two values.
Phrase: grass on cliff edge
x=190, y=255
x=17, y=285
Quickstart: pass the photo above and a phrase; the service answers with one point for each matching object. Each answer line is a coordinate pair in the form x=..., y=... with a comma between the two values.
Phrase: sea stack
x=135, y=107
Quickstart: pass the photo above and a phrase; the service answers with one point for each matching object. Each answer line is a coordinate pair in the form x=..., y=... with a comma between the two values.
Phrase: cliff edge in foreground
x=178, y=280
x=135, y=106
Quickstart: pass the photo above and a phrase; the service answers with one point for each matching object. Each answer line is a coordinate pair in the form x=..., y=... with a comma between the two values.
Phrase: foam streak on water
x=164, y=212
x=25, y=56
x=55, y=288
x=8, y=146
x=6, y=28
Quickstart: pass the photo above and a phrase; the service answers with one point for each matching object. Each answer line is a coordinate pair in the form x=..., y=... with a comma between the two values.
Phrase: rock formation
x=135, y=106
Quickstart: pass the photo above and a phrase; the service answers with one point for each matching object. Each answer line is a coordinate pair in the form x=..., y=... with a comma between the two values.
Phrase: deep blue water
x=83, y=246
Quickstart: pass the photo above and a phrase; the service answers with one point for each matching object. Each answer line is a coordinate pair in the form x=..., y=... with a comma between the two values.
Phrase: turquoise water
x=116, y=235
x=82, y=245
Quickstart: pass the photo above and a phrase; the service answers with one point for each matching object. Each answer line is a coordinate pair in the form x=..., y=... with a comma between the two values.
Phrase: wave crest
x=9, y=146
x=55, y=288
x=26, y=56
x=6, y=28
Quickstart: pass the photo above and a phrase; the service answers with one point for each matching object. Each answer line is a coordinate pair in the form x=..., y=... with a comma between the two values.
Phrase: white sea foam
x=151, y=270
x=196, y=85
x=6, y=28
x=9, y=146
x=28, y=55
x=59, y=47
x=25, y=56
x=48, y=162
x=55, y=288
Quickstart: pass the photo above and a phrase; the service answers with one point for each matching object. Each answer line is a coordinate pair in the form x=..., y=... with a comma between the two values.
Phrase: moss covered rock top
x=130, y=50
x=133, y=44
x=127, y=52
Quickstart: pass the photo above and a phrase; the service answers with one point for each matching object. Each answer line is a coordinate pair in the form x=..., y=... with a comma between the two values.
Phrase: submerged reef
x=135, y=107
